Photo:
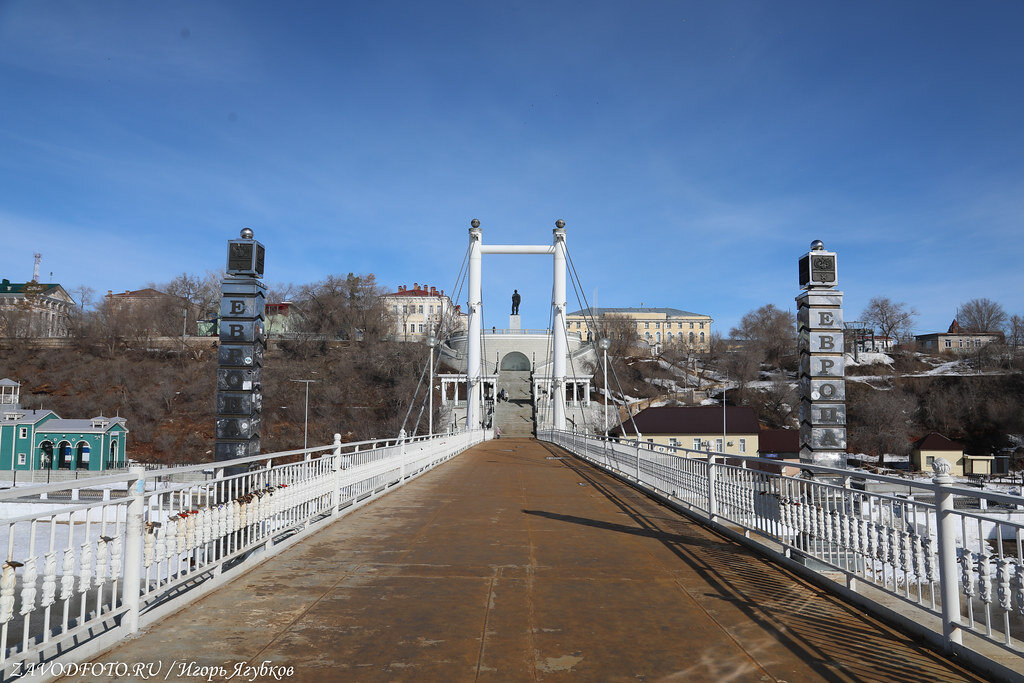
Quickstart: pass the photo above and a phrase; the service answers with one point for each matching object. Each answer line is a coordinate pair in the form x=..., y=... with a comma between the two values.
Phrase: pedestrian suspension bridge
x=459, y=556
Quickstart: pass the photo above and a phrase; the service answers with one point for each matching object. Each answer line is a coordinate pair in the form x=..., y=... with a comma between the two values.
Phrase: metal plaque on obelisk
x=822, y=367
x=240, y=357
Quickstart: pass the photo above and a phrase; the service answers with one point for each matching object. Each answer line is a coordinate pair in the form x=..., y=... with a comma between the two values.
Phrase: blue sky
x=693, y=149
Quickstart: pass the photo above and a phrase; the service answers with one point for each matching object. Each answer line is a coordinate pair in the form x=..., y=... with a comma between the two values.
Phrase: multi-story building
x=40, y=439
x=956, y=340
x=420, y=311
x=698, y=428
x=34, y=309
x=653, y=325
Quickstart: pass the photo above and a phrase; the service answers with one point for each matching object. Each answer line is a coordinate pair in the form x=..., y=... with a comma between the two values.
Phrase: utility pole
x=305, y=424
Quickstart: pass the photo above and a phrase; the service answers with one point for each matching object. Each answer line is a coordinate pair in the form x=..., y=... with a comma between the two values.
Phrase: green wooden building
x=40, y=439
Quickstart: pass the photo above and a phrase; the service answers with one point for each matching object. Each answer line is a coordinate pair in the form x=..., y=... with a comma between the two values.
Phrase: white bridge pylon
x=477, y=249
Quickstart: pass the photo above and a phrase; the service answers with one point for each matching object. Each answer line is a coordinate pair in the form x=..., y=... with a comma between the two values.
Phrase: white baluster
x=1005, y=595
x=918, y=554
x=1018, y=584
x=172, y=536
x=116, y=558
x=7, y=582
x=28, y=586
x=149, y=548
x=967, y=572
x=49, y=579
x=985, y=575
x=102, y=555
x=161, y=543
x=930, y=560
x=67, y=579
x=85, y=567
x=190, y=532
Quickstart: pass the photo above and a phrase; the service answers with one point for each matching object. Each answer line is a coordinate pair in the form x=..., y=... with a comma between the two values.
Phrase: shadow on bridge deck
x=517, y=562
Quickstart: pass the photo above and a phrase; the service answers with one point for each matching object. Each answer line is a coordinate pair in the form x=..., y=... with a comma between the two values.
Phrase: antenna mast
x=35, y=268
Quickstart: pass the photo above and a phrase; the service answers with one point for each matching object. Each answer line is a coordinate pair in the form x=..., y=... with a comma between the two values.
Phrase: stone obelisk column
x=240, y=356
x=822, y=367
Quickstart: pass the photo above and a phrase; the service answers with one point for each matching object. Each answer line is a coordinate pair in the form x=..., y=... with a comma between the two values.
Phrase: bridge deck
x=508, y=564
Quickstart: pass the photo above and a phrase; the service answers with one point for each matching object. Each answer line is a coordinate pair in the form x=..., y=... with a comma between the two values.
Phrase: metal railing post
x=336, y=486
x=638, y=460
x=948, y=575
x=134, y=529
x=712, y=498
x=401, y=457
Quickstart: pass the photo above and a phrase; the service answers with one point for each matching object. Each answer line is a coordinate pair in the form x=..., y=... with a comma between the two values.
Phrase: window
x=929, y=460
x=670, y=336
x=657, y=325
x=23, y=432
x=647, y=335
x=702, y=326
x=421, y=325
x=691, y=337
x=702, y=337
x=949, y=343
x=743, y=445
x=659, y=337
x=405, y=309
x=691, y=326
x=647, y=326
x=696, y=444
x=421, y=308
x=22, y=459
x=395, y=307
x=673, y=441
x=718, y=445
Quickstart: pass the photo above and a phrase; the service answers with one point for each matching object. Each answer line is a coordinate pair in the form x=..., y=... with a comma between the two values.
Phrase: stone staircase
x=515, y=416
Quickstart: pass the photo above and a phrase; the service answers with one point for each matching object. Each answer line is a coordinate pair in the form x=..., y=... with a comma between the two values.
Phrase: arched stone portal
x=515, y=361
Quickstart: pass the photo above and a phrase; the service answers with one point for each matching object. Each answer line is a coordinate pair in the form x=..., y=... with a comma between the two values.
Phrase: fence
x=943, y=559
x=79, y=577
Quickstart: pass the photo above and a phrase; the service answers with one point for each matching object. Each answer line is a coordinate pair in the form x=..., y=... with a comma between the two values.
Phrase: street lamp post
x=604, y=345
x=305, y=423
x=431, y=343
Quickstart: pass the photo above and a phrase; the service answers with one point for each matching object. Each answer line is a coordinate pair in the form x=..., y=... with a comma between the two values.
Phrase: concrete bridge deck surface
x=516, y=562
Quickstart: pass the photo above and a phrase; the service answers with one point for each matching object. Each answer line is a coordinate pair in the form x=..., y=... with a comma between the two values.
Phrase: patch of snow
x=869, y=358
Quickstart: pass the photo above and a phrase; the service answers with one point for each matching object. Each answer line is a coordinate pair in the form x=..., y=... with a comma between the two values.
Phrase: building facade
x=420, y=311
x=699, y=428
x=40, y=439
x=654, y=326
x=34, y=309
x=956, y=340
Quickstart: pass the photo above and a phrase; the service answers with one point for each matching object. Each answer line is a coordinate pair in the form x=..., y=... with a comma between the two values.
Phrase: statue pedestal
x=514, y=322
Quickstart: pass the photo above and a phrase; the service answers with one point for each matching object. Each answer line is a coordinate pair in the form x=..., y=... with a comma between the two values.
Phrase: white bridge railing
x=949, y=557
x=90, y=561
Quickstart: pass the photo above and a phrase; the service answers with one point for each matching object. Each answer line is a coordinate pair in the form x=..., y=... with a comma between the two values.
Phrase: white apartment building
x=422, y=310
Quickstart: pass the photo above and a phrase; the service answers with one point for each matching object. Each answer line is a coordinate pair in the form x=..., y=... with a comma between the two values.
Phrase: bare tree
x=346, y=308
x=85, y=295
x=1015, y=338
x=880, y=422
x=890, y=318
x=621, y=332
x=770, y=333
x=981, y=315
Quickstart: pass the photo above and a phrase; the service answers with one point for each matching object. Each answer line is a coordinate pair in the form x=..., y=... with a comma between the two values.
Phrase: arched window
x=113, y=453
x=659, y=337
x=691, y=337
x=82, y=455
x=702, y=337
x=46, y=455
x=64, y=455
